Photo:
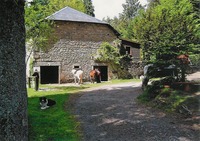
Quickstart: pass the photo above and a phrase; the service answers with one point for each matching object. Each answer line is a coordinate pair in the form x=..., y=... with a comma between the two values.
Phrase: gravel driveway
x=111, y=113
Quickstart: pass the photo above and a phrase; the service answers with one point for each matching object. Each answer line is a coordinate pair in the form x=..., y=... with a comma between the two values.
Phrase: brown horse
x=95, y=75
x=184, y=58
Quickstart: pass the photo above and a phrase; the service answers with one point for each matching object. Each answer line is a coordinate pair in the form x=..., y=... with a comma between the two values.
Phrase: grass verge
x=170, y=100
x=55, y=123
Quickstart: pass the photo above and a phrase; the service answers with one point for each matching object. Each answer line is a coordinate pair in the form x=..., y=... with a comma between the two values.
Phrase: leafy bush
x=195, y=59
x=144, y=97
x=118, y=63
x=156, y=87
x=169, y=99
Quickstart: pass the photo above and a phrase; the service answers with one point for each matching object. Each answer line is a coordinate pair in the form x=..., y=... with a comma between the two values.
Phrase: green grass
x=170, y=100
x=55, y=123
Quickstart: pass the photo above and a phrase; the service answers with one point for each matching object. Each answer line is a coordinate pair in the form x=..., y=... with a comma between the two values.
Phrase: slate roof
x=70, y=14
x=130, y=43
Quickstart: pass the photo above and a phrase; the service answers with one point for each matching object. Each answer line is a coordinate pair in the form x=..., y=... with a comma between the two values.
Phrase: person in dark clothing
x=98, y=75
x=36, y=74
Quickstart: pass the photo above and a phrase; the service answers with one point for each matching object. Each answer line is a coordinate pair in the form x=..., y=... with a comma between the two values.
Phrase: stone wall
x=80, y=31
x=136, y=69
x=76, y=44
x=70, y=54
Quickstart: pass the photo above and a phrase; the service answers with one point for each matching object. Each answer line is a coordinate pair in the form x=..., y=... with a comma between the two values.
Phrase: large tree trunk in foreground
x=13, y=95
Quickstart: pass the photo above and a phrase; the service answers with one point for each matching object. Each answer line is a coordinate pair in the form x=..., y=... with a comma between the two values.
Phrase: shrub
x=195, y=59
x=169, y=99
x=156, y=87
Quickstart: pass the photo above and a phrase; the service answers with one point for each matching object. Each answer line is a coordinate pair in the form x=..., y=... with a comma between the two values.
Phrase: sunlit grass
x=56, y=123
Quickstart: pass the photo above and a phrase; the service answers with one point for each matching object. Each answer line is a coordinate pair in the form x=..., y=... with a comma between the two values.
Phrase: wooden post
x=29, y=82
x=34, y=79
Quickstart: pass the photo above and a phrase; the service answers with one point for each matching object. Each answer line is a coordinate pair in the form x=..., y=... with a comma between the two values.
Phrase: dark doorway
x=128, y=50
x=104, y=72
x=49, y=74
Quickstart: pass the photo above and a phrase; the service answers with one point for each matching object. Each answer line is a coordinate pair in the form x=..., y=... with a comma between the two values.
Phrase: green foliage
x=161, y=95
x=144, y=97
x=169, y=99
x=89, y=7
x=167, y=28
x=38, y=29
x=108, y=53
x=195, y=59
x=117, y=62
x=153, y=90
x=124, y=23
x=130, y=9
x=76, y=4
x=196, y=4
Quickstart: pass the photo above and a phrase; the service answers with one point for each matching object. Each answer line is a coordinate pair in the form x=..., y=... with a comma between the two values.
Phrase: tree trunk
x=13, y=95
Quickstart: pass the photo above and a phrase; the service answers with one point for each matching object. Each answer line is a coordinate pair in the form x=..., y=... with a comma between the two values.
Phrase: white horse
x=78, y=74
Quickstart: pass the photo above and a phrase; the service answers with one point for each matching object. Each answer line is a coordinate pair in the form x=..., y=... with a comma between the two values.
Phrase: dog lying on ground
x=46, y=103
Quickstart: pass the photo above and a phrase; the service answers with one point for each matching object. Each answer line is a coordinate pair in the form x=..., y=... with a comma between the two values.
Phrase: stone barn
x=78, y=36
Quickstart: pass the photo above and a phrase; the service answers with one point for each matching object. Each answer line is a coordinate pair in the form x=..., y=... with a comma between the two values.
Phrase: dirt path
x=111, y=113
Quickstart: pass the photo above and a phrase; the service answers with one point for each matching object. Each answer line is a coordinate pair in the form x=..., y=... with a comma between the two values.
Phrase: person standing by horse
x=98, y=75
x=95, y=75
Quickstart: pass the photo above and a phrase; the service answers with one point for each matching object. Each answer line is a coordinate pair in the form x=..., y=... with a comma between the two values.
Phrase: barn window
x=76, y=67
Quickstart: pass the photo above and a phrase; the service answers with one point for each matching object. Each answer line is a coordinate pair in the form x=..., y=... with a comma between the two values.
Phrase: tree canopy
x=89, y=7
x=131, y=9
x=124, y=23
x=167, y=29
x=37, y=28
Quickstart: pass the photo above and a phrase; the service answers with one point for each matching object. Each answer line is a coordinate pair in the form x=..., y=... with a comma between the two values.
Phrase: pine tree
x=89, y=7
x=131, y=8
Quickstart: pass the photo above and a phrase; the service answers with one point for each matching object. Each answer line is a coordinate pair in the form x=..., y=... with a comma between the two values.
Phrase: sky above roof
x=109, y=8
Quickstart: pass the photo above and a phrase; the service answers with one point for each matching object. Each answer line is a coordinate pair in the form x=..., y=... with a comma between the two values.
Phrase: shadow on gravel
x=112, y=114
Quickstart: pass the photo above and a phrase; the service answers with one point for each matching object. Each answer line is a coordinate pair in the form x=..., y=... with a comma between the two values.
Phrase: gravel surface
x=111, y=113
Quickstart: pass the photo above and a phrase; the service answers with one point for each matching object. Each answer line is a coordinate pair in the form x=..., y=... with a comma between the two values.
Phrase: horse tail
x=81, y=78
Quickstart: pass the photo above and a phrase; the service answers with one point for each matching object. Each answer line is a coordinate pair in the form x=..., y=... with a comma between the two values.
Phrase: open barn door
x=49, y=74
x=104, y=72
